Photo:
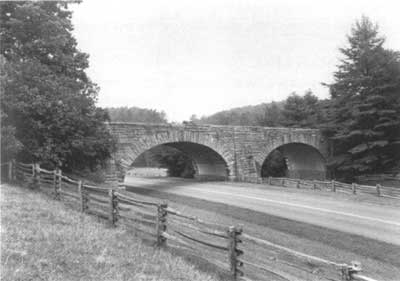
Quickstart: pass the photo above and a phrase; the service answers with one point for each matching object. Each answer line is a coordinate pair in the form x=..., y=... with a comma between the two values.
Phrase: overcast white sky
x=198, y=57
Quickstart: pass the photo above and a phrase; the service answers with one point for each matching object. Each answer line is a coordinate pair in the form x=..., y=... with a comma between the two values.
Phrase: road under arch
x=184, y=159
x=295, y=160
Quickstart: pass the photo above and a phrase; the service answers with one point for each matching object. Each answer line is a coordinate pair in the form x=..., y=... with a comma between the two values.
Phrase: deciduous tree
x=47, y=96
x=302, y=111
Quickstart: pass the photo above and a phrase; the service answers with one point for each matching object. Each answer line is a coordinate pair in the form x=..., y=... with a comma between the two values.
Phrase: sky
x=189, y=57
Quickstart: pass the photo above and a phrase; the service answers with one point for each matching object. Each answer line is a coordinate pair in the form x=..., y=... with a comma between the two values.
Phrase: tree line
x=136, y=114
x=303, y=111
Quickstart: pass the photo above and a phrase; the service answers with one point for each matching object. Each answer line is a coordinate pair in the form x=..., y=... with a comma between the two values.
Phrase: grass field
x=44, y=239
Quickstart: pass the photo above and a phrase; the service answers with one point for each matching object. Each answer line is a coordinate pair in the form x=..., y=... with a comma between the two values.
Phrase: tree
x=302, y=111
x=10, y=146
x=136, y=114
x=366, y=104
x=274, y=165
x=272, y=116
x=178, y=165
x=193, y=118
x=265, y=114
x=47, y=96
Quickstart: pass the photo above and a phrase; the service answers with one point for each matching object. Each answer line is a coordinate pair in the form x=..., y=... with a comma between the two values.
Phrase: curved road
x=376, y=221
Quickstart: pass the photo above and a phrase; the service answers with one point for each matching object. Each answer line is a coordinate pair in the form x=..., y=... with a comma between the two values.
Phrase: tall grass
x=42, y=239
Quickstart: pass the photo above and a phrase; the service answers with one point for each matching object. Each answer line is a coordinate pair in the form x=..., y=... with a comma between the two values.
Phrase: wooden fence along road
x=227, y=247
x=334, y=186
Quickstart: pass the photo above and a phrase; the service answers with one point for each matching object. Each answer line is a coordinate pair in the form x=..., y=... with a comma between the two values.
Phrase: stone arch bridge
x=224, y=152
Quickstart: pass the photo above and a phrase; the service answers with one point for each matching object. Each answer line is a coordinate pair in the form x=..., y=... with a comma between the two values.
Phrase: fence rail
x=222, y=245
x=334, y=186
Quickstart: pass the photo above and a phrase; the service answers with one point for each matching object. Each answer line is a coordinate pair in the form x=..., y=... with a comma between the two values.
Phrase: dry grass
x=42, y=239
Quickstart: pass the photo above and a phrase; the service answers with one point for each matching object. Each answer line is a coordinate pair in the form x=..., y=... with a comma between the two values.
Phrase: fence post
x=161, y=223
x=378, y=189
x=348, y=270
x=9, y=171
x=57, y=183
x=82, y=196
x=14, y=170
x=59, y=180
x=333, y=186
x=353, y=188
x=113, y=207
x=37, y=175
x=32, y=182
x=345, y=273
x=234, y=252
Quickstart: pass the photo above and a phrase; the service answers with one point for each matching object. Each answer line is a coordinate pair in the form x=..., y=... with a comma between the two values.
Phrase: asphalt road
x=368, y=219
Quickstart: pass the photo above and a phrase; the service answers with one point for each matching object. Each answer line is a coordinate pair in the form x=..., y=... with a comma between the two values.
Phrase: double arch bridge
x=223, y=152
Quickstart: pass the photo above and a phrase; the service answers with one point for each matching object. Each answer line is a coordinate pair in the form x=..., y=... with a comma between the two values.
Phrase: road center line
x=298, y=205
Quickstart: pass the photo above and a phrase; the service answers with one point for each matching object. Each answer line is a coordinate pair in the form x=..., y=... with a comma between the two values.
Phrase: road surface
x=376, y=221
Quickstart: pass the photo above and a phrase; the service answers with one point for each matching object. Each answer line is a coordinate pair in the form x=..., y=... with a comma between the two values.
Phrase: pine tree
x=366, y=104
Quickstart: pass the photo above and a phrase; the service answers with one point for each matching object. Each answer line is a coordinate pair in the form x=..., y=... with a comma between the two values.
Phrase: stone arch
x=201, y=148
x=207, y=163
x=303, y=160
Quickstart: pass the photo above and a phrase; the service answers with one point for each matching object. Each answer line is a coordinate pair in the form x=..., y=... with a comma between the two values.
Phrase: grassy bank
x=43, y=239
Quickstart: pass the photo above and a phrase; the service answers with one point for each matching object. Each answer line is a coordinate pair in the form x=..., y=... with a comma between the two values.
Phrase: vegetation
x=365, y=97
x=179, y=165
x=10, y=145
x=48, y=106
x=243, y=116
x=136, y=114
x=43, y=239
x=175, y=161
x=274, y=166
x=305, y=111
x=272, y=116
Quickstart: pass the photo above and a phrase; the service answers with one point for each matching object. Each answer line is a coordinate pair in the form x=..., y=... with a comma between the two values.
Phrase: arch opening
x=294, y=160
x=180, y=159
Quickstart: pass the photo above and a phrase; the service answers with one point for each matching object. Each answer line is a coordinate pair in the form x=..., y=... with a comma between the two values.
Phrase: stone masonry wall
x=244, y=149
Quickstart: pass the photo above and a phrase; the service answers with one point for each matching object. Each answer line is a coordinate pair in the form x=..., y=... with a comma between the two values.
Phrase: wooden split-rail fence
x=334, y=186
x=241, y=255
